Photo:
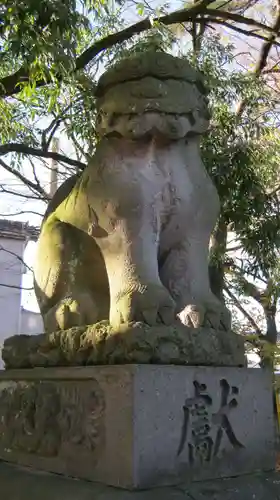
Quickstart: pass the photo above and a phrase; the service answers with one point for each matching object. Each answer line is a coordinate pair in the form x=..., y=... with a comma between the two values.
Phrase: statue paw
x=74, y=310
x=150, y=304
x=210, y=314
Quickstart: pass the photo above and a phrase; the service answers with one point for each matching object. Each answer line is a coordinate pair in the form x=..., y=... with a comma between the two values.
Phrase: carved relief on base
x=52, y=419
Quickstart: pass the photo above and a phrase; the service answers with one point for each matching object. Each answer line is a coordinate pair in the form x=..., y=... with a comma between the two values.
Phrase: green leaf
x=140, y=9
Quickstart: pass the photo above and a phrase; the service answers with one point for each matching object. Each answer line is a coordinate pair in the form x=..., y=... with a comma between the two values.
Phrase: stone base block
x=134, y=343
x=138, y=426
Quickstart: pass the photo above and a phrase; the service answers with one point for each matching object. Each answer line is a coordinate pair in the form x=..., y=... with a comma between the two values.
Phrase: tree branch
x=32, y=185
x=234, y=249
x=78, y=149
x=3, y=249
x=21, y=212
x=243, y=310
x=15, y=286
x=242, y=31
x=262, y=61
x=52, y=128
x=197, y=33
x=27, y=150
x=274, y=191
x=238, y=18
x=35, y=173
x=20, y=195
x=10, y=85
x=268, y=45
x=238, y=269
x=248, y=288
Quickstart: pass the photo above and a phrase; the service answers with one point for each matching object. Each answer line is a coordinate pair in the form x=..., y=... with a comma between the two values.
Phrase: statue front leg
x=184, y=272
x=184, y=269
x=115, y=204
x=136, y=292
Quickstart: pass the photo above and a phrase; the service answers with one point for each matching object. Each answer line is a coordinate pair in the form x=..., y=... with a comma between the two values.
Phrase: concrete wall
x=13, y=318
x=31, y=322
x=11, y=269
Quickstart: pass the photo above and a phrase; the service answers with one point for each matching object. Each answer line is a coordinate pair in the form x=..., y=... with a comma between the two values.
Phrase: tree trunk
x=217, y=257
x=271, y=328
x=267, y=356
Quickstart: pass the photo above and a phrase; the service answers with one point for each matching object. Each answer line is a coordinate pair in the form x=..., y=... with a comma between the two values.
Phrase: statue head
x=152, y=93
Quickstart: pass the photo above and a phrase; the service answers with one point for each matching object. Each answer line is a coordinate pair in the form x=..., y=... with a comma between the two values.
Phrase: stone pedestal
x=138, y=426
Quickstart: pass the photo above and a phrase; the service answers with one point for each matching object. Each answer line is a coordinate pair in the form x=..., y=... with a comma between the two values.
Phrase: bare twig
x=21, y=212
x=242, y=31
x=234, y=249
x=242, y=310
x=31, y=185
x=52, y=128
x=20, y=195
x=35, y=174
x=17, y=287
x=3, y=249
x=78, y=149
x=27, y=150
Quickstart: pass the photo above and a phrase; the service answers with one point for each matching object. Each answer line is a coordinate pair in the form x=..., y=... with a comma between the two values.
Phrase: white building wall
x=11, y=269
x=31, y=322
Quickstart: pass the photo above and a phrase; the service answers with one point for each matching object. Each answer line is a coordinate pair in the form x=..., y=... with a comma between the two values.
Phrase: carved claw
x=151, y=305
x=77, y=310
x=212, y=315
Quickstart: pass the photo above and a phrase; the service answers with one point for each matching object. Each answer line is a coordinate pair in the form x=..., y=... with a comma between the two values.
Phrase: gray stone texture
x=156, y=64
x=134, y=343
x=138, y=426
x=25, y=484
x=128, y=240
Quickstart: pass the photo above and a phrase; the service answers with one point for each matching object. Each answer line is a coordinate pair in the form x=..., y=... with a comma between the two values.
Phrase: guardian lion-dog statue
x=128, y=239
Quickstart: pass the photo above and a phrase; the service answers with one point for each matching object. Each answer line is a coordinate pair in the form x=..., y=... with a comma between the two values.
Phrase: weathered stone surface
x=259, y=486
x=137, y=343
x=138, y=426
x=62, y=422
x=164, y=95
x=25, y=484
x=128, y=241
x=155, y=64
x=172, y=103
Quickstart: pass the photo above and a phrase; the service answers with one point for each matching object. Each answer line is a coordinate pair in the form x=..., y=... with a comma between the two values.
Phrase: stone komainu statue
x=128, y=240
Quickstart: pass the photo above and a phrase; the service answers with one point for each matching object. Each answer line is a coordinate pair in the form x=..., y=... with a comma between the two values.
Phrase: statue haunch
x=128, y=240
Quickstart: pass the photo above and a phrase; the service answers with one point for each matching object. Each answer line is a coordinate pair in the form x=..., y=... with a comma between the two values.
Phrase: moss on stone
x=133, y=343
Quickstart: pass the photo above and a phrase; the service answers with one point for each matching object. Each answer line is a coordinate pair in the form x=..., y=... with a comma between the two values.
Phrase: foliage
x=242, y=155
x=45, y=36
